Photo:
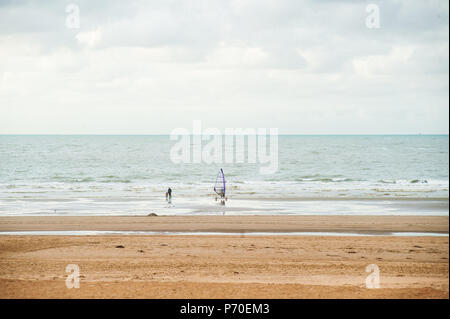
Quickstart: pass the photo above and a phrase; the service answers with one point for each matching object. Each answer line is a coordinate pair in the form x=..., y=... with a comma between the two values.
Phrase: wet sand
x=234, y=224
x=225, y=266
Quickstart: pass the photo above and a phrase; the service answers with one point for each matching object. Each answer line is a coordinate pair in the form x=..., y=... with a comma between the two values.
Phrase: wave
x=327, y=179
x=403, y=181
x=320, y=186
x=415, y=181
x=125, y=181
x=102, y=179
x=387, y=181
x=67, y=179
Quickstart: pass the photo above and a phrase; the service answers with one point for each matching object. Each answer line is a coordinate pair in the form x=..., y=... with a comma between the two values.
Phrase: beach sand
x=233, y=266
x=239, y=224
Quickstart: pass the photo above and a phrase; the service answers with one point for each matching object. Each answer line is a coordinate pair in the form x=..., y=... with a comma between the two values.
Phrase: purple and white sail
x=219, y=186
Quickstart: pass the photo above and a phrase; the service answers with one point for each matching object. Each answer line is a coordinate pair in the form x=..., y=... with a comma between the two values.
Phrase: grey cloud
x=298, y=56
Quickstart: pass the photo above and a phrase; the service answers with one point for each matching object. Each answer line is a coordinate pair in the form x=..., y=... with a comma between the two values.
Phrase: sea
x=55, y=175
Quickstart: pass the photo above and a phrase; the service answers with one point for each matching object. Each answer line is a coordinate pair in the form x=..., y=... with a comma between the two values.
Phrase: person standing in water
x=169, y=192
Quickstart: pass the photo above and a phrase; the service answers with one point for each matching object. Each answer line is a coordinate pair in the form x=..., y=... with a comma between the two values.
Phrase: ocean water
x=129, y=175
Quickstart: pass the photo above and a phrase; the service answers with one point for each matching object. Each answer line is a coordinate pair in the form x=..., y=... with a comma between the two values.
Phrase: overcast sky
x=147, y=67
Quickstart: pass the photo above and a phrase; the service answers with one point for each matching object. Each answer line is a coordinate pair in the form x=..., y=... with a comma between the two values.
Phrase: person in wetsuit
x=169, y=192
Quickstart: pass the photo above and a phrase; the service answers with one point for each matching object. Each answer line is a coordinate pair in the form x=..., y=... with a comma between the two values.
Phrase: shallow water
x=128, y=175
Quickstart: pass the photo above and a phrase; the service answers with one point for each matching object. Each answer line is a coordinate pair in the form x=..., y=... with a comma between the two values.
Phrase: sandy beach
x=236, y=224
x=120, y=266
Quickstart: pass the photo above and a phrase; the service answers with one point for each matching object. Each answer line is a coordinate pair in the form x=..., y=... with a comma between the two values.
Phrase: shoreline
x=142, y=204
x=243, y=234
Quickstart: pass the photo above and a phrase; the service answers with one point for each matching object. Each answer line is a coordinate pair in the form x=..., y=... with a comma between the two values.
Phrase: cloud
x=89, y=38
x=149, y=66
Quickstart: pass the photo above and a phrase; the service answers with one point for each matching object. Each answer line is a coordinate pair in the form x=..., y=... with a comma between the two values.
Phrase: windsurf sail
x=219, y=186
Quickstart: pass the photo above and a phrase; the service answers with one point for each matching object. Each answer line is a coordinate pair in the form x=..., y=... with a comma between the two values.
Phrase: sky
x=149, y=67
